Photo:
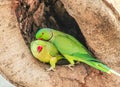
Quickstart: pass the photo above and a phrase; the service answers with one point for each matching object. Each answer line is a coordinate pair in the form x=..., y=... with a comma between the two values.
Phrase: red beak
x=39, y=48
x=40, y=39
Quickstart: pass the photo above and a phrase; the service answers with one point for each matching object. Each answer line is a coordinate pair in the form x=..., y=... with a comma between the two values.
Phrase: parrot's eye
x=42, y=33
x=39, y=48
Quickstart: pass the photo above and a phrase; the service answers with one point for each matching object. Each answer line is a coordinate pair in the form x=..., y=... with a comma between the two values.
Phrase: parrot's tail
x=95, y=63
x=114, y=72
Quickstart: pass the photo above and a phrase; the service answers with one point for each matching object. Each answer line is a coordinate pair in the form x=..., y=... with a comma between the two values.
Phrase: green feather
x=91, y=61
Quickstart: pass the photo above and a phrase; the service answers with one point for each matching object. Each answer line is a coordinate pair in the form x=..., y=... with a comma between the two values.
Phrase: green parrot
x=45, y=52
x=72, y=49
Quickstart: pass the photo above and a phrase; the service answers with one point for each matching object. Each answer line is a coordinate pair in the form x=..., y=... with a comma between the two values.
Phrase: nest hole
x=35, y=14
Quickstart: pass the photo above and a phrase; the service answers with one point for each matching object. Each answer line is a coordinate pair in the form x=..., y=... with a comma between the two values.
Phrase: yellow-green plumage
x=48, y=54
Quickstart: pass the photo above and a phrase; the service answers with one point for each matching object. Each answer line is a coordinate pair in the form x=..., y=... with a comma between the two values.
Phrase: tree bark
x=16, y=61
x=99, y=23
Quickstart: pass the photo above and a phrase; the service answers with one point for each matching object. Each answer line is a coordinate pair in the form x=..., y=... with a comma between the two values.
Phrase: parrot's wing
x=66, y=45
x=73, y=39
x=83, y=49
x=85, y=57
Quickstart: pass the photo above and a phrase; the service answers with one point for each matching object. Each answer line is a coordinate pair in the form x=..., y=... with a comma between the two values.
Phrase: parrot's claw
x=51, y=69
x=70, y=66
x=77, y=62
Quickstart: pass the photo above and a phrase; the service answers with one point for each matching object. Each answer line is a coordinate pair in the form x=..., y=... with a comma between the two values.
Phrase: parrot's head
x=44, y=34
x=37, y=46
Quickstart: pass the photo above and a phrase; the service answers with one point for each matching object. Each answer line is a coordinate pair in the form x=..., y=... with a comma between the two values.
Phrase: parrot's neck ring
x=51, y=35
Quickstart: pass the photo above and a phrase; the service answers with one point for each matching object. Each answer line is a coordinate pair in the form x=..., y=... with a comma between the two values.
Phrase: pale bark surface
x=99, y=22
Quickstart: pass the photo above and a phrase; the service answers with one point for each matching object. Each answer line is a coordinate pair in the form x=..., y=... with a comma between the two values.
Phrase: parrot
x=72, y=49
x=45, y=52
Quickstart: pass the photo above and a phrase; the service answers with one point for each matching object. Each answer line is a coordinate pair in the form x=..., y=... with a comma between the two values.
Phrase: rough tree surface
x=99, y=23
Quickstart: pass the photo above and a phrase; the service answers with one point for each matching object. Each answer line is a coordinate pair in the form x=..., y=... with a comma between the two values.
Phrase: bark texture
x=99, y=23
x=16, y=61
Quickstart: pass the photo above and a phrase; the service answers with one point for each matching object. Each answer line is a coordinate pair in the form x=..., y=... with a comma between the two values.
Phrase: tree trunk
x=99, y=23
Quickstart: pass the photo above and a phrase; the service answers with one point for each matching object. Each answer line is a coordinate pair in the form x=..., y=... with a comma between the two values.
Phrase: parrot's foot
x=70, y=66
x=77, y=62
x=51, y=69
